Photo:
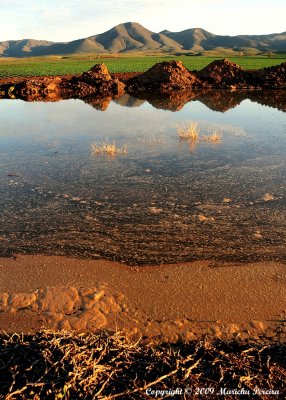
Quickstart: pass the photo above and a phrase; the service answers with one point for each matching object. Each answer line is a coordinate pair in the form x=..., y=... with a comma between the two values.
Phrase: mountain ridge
x=131, y=37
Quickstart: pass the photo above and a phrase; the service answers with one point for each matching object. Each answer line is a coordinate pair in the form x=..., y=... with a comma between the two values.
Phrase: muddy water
x=166, y=200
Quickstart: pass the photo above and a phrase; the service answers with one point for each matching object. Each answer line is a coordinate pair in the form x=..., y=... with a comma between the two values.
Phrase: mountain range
x=133, y=37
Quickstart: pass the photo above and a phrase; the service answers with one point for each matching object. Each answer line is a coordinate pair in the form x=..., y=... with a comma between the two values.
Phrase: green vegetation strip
x=68, y=366
x=65, y=65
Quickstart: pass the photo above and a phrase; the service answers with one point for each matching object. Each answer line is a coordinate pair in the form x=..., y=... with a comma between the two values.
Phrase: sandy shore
x=166, y=303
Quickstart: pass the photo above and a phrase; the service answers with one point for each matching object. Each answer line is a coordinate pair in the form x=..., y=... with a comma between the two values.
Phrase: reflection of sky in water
x=67, y=128
x=35, y=134
x=248, y=116
x=73, y=118
x=45, y=156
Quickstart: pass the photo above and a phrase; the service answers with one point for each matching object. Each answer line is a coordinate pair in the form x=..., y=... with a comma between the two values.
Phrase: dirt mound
x=95, y=81
x=167, y=78
x=164, y=77
x=271, y=77
x=223, y=73
x=98, y=79
x=97, y=73
x=45, y=87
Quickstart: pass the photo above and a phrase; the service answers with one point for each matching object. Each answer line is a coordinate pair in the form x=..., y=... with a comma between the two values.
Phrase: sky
x=65, y=20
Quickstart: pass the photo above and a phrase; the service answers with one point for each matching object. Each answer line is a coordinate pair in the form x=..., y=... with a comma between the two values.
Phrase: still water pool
x=165, y=200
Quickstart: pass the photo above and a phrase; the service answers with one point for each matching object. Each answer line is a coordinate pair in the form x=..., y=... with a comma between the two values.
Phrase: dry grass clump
x=64, y=365
x=104, y=147
x=189, y=131
x=213, y=137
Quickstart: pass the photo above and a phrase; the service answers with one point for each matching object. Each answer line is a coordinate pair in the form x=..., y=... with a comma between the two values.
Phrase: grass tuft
x=189, y=131
x=105, y=147
x=213, y=137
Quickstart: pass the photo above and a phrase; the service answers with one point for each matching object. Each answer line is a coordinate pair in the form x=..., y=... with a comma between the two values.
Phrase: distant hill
x=133, y=37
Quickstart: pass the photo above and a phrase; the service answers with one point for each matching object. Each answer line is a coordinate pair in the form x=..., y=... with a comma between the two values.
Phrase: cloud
x=66, y=20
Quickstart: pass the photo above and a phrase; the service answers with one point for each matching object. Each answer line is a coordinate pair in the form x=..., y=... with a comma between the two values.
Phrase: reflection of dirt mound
x=270, y=98
x=174, y=101
x=216, y=100
x=223, y=73
x=221, y=100
x=164, y=77
x=99, y=103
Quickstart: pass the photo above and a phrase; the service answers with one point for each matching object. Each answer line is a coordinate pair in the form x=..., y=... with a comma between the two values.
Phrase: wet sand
x=163, y=303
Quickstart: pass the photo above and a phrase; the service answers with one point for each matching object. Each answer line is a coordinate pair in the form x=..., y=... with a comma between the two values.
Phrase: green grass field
x=72, y=65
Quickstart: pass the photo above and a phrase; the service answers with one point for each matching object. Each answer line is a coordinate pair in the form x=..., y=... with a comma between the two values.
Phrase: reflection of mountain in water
x=271, y=98
x=129, y=101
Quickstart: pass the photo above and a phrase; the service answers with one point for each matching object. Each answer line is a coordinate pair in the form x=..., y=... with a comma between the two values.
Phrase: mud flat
x=168, y=303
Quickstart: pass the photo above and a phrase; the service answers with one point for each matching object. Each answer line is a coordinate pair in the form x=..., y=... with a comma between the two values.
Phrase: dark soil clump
x=272, y=77
x=97, y=80
x=163, y=78
x=125, y=76
x=223, y=73
x=33, y=89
